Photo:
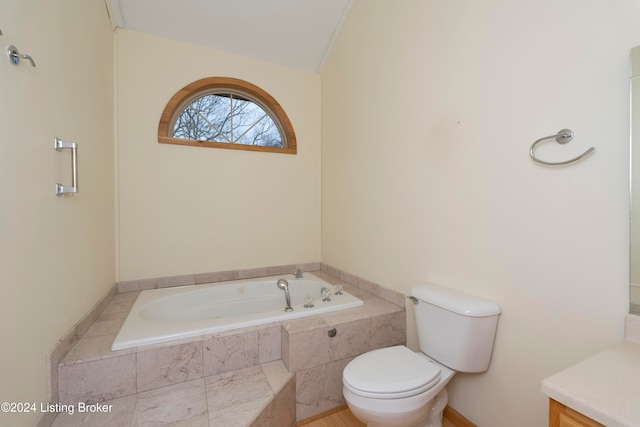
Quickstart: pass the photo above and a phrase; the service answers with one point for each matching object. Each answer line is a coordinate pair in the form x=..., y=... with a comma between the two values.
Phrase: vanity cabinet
x=563, y=416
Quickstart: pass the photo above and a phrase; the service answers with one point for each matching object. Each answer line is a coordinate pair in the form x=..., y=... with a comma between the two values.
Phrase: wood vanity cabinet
x=563, y=416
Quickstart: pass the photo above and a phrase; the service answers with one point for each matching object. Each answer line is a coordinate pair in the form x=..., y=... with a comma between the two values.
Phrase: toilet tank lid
x=455, y=301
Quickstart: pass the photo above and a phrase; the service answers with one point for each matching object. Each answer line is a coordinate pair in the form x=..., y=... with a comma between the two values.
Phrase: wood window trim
x=215, y=83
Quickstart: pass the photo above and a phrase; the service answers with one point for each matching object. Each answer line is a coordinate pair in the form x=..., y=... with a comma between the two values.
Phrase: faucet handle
x=298, y=274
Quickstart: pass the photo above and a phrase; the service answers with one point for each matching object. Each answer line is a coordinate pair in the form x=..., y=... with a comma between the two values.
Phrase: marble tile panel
x=201, y=420
x=269, y=343
x=368, y=286
x=349, y=278
x=357, y=292
x=376, y=307
x=119, y=306
x=230, y=351
x=351, y=339
x=240, y=415
x=282, y=270
x=180, y=341
x=319, y=389
x=231, y=389
x=68, y=340
x=104, y=327
x=311, y=267
x=335, y=272
x=394, y=297
x=99, y=380
x=93, y=348
x=265, y=417
x=334, y=280
x=388, y=330
x=284, y=347
x=307, y=349
x=137, y=285
x=216, y=276
x=119, y=414
x=170, y=405
x=303, y=324
x=277, y=374
x=168, y=365
x=335, y=318
x=253, y=273
x=333, y=382
x=182, y=280
x=54, y=358
x=283, y=407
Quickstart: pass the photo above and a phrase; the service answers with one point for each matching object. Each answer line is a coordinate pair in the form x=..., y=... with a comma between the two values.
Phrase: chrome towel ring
x=562, y=137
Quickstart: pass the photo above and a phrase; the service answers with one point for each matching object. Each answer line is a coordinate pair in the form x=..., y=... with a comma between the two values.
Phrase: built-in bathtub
x=162, y=315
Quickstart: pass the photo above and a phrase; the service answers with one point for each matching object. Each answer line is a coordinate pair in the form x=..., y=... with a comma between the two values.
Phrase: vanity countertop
x=604, y=387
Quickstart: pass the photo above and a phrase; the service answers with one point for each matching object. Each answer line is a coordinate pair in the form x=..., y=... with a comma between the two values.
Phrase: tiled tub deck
x=268, y=375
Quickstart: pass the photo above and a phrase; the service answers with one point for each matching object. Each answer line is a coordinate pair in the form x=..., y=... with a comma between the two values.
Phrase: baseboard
x=456, y=418
x=322, y=415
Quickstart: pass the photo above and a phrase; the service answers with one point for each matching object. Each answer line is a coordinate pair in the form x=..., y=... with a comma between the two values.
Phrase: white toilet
x=396, y=387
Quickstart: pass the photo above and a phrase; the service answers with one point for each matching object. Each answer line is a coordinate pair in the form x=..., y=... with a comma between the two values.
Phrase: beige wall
x=428, y=113
x=189, y=210
x=56, y=253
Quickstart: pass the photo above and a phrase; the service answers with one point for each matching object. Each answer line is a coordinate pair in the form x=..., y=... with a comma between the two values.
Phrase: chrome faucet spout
x=298, y=274
x=284, y=285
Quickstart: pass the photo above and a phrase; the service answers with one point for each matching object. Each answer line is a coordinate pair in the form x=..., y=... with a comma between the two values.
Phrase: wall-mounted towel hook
x=562, y=137
x=15, y=56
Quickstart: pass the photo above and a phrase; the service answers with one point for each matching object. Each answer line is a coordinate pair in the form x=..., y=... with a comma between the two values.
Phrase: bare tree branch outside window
x=227, y=118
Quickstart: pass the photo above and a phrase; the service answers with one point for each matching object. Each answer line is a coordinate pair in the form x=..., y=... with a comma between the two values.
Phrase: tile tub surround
x=261, y=395
x=216, y=276
x=90, y=372
x=318, y=360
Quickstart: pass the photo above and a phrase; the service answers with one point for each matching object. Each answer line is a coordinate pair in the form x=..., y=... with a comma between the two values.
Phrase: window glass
x=220, y=111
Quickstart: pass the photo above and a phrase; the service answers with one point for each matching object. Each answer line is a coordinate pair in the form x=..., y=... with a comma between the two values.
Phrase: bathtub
x=161, y=315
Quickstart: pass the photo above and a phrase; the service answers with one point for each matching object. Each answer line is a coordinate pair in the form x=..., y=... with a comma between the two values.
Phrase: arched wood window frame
x=201, y=87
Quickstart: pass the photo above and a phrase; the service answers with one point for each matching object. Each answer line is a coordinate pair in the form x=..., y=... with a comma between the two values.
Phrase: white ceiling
x=295, y=33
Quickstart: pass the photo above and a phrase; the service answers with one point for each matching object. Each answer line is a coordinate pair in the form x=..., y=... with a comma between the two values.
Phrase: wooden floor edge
x=453, y=416
x=456, y=418
x=321, y=415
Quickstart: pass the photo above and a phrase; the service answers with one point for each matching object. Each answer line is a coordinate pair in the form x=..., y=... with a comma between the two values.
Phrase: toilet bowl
x=408, y=392
x=397, y=387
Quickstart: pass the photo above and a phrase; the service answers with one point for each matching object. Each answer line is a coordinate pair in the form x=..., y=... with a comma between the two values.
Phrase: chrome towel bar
x=59, y=145
x=562, y=137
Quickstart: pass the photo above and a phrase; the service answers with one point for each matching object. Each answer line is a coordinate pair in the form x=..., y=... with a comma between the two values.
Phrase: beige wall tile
x=168, y=365
x=167, y=405
x=99, y=380
x=228, y=352
x=269, y=344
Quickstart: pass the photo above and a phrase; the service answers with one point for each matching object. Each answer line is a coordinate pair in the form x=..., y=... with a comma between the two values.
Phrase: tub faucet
x=298, y=274
x=284, y=285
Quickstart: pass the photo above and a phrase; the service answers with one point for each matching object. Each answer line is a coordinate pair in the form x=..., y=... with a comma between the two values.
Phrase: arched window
x=223, y=112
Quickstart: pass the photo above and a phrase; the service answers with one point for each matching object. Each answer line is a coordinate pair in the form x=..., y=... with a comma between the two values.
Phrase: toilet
x=397, y=387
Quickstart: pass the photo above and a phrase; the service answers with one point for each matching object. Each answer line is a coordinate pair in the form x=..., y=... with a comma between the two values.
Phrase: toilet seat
x=390, y=373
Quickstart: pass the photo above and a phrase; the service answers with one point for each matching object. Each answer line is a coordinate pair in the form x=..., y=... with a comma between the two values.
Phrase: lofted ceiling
x=294, y=33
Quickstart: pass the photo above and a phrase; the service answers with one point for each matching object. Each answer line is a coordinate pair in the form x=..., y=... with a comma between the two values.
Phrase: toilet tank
x=454, y=328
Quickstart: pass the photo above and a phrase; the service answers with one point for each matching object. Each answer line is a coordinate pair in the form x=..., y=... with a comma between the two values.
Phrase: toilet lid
x=392, y=370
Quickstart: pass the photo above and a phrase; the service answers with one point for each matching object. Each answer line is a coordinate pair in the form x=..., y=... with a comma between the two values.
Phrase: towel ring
x=562, y=137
